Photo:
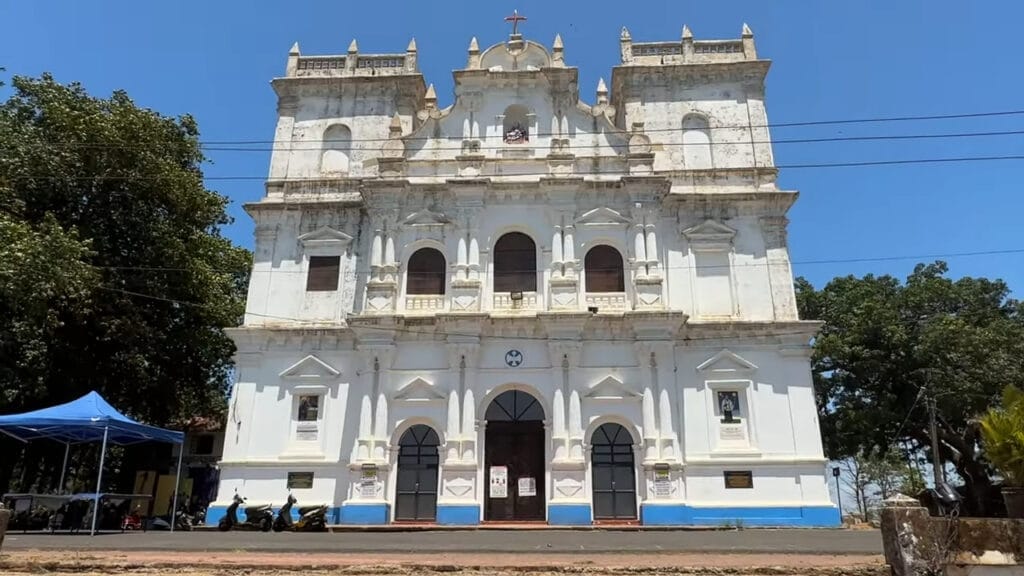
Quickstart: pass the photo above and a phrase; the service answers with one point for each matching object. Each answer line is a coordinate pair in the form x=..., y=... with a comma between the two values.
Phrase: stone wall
x=917, y=544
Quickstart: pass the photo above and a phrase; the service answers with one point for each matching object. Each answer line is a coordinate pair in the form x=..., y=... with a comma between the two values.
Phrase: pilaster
x=780, y=274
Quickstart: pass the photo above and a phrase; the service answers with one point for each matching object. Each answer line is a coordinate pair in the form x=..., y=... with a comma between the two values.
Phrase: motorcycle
x=182, y=521
x=256, y=517
x=311, y=518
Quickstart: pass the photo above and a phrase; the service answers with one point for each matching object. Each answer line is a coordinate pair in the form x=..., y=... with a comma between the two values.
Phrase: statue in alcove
x=517, y=134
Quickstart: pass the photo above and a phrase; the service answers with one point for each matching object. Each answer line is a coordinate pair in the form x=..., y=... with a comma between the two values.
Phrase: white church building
x=524, y=306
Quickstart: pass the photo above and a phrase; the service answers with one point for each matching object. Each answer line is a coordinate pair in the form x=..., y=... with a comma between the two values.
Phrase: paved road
x=555, y=541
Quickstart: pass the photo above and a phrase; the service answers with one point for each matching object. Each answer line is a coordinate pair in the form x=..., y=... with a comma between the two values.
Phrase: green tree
x=114, y=276
x=887, y=346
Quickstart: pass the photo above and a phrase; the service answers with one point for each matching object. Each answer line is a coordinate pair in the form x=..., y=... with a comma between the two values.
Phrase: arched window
x=426, y=272
x=603, y=270
x=515, y=263
x=516, y=126
x=337, y=146
x=696, y=143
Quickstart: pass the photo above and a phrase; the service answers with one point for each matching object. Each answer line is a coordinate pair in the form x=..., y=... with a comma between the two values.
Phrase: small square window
x=323, y=273
x=309, y=408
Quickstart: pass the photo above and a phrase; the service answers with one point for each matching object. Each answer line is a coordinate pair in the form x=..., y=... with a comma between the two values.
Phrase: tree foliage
x=114, y=276
x=887, y=346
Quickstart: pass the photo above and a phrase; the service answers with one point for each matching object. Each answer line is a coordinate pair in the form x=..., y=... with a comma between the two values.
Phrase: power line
x=574, y=174
x=298, y=146
x=611, y=269
x=770, y=125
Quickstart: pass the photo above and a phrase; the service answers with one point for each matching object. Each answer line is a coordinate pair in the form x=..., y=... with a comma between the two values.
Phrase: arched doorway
x=514, y=450
x=515, y=263
x=416, y=485
x=613, y=473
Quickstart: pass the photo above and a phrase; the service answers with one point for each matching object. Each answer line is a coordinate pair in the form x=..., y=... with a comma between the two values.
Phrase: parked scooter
x=256, y=517
x=182, y=521
x=311, y=518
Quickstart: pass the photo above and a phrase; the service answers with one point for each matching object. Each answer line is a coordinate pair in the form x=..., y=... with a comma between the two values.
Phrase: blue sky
x=832, y=60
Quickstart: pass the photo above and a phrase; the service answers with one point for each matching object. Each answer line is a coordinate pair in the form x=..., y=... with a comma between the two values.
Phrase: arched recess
x=613, y=472
x=515, y=263
x=426, y=272
x=417, y=474
x=514, y=457
x=515, y=128
x=603, y=270
x=696, y=142
x=337, y=149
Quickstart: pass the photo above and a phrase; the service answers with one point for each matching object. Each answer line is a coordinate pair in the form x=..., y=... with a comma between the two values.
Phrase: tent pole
x=99, y=481
x=177, y=479
x=64, y=467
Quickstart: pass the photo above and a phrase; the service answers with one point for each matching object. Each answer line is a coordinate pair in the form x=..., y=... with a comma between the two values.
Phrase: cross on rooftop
x=515, y=19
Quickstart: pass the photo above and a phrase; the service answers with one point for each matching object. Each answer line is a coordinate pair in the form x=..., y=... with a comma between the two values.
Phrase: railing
x=718, y=47
x=503, y=301
x=424, y=303
x=607, y=300
x=322, y=63
x=656, y=49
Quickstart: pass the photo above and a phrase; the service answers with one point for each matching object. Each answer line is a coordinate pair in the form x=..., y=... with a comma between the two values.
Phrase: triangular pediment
x=602, y=217
x=709, y=231
x=325, y=236
x=419, y=390
x=310, y=368
x=426, y=217
x=726, y=362
x=610, y=388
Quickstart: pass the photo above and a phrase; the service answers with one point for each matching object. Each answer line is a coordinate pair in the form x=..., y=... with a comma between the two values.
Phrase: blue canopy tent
x=88, y=419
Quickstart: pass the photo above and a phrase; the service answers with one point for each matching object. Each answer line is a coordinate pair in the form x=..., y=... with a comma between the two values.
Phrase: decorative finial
x=558, y=43
x=295, y=50
x=412, y=46
x=687, y=34
x=602, y=92
x=430, y=97
x=625, y=34
x=473, y=46
x=747, y=32
x=515, y=19
x=353, y=47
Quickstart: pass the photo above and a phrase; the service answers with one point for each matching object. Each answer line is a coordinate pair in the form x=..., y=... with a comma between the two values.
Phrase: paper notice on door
x=499, y=482
x=527, y=486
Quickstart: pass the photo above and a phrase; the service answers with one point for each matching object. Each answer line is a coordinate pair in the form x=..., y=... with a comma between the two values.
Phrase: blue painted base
x=799, y=516
x=458, y=514
x=364, y=514
x=569, y=514
x=215, y=513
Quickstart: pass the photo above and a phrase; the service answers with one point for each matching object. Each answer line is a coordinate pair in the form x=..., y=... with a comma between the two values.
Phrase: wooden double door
x=514, y=475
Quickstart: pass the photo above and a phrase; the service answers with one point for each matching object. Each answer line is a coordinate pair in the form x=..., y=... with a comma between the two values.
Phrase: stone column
x=457, y=381
x=651, y=228
x=664, y=373
x=639, y=247
x=569, y=253
x=381, y=423
x=780, y=275
x=556, y=250
x=648, y=411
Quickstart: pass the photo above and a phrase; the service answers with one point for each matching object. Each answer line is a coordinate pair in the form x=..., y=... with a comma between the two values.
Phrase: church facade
x=524, y=306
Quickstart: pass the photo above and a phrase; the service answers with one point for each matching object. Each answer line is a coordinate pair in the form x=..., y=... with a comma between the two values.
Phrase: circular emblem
x=513, y=358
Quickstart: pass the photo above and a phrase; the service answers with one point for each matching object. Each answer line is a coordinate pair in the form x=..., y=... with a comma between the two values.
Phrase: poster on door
x=499, y=482
x=527, y=486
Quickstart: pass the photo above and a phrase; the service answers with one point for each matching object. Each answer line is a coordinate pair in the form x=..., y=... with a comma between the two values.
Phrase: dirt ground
x=34, y=563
